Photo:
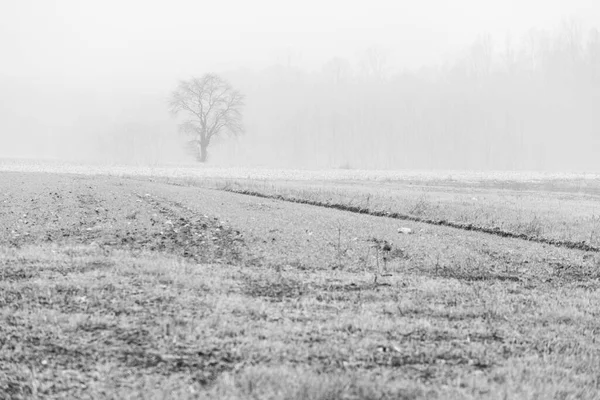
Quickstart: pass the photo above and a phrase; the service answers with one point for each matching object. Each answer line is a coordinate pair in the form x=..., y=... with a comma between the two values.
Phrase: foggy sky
x=148, y=39
x=71, y=66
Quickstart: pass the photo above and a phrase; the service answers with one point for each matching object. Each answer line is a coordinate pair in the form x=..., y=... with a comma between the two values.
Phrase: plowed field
x=123, y=288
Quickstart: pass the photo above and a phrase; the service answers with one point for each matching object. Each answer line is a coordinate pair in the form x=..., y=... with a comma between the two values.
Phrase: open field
x=126, y=284
x=548, y=207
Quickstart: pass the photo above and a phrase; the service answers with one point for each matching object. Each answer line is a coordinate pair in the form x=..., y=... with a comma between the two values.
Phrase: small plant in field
x=229, y=185
x=386, y=250
x=421, y=205
x=595, y=229
x=534, y=227
x=341, y=251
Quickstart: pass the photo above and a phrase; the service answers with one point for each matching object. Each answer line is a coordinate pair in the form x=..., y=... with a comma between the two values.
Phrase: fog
x=467, y=84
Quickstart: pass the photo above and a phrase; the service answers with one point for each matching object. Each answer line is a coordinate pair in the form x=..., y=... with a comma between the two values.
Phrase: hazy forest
x=520, y=103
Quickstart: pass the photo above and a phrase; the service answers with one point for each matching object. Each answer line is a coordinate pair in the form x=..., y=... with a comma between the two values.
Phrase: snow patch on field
x=255, y=173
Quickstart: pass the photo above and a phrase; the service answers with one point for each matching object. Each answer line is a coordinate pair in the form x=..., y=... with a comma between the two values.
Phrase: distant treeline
x=527, y=104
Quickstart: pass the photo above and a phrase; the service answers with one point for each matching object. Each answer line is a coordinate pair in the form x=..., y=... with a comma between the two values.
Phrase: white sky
x=83, y=40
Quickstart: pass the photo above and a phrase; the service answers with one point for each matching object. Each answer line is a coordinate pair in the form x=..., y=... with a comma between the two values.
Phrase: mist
x=511, y=85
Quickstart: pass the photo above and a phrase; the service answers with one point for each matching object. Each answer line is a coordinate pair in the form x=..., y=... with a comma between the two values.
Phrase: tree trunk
x=203, y=153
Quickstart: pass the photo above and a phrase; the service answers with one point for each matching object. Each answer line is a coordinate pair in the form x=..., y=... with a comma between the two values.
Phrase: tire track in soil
x=200, y=238
x=405, y=217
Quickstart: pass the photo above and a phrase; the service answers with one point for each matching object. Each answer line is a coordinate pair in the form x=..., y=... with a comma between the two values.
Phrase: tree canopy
x=211, y=107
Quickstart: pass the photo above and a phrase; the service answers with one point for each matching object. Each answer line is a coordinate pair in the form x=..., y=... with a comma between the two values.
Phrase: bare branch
x=211, y=105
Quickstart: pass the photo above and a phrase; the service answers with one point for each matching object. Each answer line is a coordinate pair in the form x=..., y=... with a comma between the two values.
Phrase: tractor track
x=583, y=246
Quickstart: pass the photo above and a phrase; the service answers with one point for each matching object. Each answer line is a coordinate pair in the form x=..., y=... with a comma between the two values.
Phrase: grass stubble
x=83, y=317
x=563, y=213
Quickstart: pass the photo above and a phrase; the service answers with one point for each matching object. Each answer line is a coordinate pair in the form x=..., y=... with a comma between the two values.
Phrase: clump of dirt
x=200, y=238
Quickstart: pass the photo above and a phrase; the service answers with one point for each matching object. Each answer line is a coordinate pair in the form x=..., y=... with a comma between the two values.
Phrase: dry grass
x=298, y=307
x=80, y=322
x=555, y=215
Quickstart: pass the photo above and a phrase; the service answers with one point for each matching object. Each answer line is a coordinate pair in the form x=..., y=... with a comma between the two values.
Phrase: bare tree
x=572, y=38
x=374, y=62
x=482, y=52
x=212, y=107
x=288, y=57
x=337, y=70
x=509, y=56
